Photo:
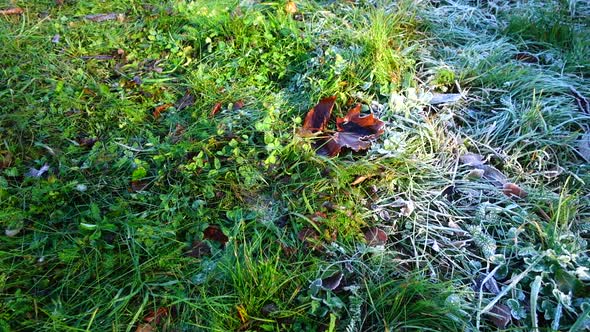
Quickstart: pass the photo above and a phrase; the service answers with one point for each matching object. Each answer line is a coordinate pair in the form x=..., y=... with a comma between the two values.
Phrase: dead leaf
x=584, y=146
x=359, y=180
x=332, y=282
x=309, y=237
x=364, y=126
x=138, y=185
x=513, y=191
x=199, y=249
x=105, y=17
x=145, y=328
x=317, y=118
x=186, y=101
x=375, y=237
x=214, y=233
x=152, y=320
x=176, y=136
x=445, y=98
x=87, y=142
x=12, y=11
x=407, y=209
x=59, y=2
x=582, y=101
x=5, y=159
x=242, y=313
x=238, y=105
x=291, y=7
x=216, y=108
x=354, y=131
x=159, y=109
x=156, y=316
x=493, y=175
x=526, y=57
x=500, y=315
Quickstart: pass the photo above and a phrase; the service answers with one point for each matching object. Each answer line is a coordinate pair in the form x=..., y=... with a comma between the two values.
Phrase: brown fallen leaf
x=513, y=191
x=199, y=249
x=353, y=122
x=526, y=57
x=214, y=233
x=87, y=142
x=105, y=17
x=159, y=109
x=375, y=237
x=317, y=118
x=152, y=320
x=138, y=185
x=5, y=159
x=354, y=131
x=216, y=108
x=145, y=327
x=12, y=11
x=238, y=105
x=332, y=282
x=359, y=180
x=185, y=101
x=500, y=315
x=309, y=237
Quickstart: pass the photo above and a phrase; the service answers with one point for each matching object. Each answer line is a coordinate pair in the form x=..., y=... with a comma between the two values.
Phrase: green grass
x=114, y=232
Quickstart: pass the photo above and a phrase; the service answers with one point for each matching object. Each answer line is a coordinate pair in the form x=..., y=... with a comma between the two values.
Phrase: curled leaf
x=199, y=249
x=317, y=118
x=216, y=108
x=514, y=191
x=353, y=122
x=375, y=237
x=526, y=57
x=186, y=101
x=214, y=233
x=309, y=237
x=332, y=282
x=12, y=11
x=159, y=109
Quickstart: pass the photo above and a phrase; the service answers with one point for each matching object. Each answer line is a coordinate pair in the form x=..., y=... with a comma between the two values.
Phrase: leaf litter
x=354, y=131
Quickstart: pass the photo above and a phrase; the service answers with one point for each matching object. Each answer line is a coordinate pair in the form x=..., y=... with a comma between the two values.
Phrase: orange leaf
x=513, y=191
x=12, y=11
x=242, y=313
x=361, y=125
x=160, y=109
x=291, y=7
x=216, y=108
x=317, y=118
